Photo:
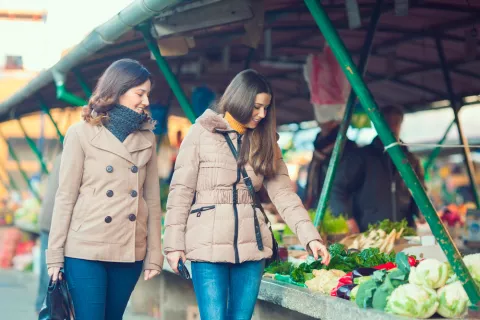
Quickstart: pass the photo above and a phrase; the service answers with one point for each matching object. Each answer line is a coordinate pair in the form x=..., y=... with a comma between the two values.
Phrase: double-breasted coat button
x=133, y=193
x=134, y=169
x=108, y=219
x=132, y=217
x=109, y=169
x=109, y=193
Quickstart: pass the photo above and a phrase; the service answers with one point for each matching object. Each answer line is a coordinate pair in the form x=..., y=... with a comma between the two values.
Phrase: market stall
x=144, y=31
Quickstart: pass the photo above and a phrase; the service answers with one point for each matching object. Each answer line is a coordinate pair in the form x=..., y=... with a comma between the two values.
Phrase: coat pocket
x=79, y=212
x=200, y=227
x=199, y=211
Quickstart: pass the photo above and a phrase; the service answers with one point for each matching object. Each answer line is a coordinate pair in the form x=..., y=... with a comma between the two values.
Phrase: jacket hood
x=213, y=121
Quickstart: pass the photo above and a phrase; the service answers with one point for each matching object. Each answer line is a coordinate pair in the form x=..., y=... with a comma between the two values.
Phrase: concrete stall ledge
x=311, y=304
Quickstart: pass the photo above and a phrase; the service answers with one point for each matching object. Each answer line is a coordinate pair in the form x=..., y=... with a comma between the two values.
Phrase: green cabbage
x=453, y=301
x=412, y=300
x=430, y=273
x=472, y=261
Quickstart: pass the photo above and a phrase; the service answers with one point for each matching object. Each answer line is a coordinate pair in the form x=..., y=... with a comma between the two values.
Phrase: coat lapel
x=105, y=140
x=136, y=142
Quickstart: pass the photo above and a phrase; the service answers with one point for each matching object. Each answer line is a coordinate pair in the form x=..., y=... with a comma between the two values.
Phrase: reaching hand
x=318, y=247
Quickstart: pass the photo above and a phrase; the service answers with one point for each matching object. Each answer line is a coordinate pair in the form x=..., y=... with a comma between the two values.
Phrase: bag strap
x=247, y=180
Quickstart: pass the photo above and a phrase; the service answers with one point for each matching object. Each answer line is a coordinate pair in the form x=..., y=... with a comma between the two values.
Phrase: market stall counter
x=277, y=300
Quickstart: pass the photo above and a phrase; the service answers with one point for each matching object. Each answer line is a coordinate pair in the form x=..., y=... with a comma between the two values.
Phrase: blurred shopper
x=45, y=222
x=106, y=219
x=211, y=218
x=368, y=187
x=317, y=171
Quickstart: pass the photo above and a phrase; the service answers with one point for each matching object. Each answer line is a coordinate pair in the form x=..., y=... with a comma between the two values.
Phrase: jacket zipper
x=200, y=210
x=235, y=200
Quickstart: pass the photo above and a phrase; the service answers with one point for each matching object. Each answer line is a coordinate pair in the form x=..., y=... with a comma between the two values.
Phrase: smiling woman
x=106, y=219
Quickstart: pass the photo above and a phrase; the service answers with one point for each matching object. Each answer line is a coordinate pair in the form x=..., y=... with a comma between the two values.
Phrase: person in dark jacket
x=45, y=221
x=368, y=188
x=317, y=170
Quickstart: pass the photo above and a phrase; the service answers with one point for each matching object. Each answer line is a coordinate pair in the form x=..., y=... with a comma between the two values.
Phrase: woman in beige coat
x=210, y=217
x=106, y=221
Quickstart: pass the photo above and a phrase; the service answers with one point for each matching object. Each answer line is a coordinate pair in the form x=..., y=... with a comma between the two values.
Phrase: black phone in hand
x=183, y=270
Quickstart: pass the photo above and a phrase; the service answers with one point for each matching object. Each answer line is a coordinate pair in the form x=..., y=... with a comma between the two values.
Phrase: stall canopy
x=212, y=40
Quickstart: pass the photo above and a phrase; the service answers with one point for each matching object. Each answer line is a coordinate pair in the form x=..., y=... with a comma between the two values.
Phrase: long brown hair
x=120, y=76
x=259, y=146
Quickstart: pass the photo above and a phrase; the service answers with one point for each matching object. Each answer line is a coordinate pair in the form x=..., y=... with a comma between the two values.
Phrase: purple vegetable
x=344, y=291
x=362, y=272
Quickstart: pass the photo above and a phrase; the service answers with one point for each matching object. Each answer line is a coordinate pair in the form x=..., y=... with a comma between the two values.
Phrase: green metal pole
x=463, y=139
x=5, y=185
x=11, y=183
x=47, y=112
x=34, y=148
x=83, y=83
x=394, y=149
x=167, y=72
x=347, y=117
x=64, y=95
x=23, y=173
x=436, y=151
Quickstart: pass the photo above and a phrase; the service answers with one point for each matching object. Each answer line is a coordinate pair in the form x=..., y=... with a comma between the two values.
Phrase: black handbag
x=256, y=203
x=58, y=303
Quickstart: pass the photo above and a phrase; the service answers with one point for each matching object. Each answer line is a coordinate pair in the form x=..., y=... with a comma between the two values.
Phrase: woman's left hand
x=318, y=247
x=149, y=274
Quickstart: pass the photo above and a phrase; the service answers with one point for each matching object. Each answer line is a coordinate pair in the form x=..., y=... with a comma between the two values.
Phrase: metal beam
x=438, y=28
x=34, y=148
x=406, y=83
x=167, y=73
x=394, y=149
x=11, y=182
x=431, y=65
x=349, y=110
x=434, y=154
x=83, y=83
x=423, y=69
x=64, y=95
x=455, y=105
x=45, y=109
x=22, y=172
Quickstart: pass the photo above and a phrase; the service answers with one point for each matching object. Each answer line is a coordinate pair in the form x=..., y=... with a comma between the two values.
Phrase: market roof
x=403, y=69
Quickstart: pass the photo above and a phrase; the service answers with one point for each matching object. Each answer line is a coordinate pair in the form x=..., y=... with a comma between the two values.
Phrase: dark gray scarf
x=123, y=121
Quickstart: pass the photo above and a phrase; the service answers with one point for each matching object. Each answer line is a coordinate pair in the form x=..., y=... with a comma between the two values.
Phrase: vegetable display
x=373, y=277
x=382, y=236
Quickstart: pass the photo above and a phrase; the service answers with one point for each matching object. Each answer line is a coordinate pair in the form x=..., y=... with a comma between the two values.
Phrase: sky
x=67, y=23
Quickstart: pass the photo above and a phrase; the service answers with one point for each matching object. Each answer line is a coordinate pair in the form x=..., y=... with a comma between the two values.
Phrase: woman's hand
x=149, y=274
x=54, y=273
x=318, y=247
x=173, y=258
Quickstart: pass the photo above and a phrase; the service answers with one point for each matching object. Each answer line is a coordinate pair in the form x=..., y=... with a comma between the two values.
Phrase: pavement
x=17, y=297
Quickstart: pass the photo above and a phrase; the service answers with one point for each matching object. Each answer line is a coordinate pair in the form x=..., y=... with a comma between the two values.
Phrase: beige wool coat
x=107, y=206
x=202, y=219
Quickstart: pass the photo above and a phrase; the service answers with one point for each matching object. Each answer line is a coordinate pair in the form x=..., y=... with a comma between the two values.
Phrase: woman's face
x=262, y=102
x=136, y=98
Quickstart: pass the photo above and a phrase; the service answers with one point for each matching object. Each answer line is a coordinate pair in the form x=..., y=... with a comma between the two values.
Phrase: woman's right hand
x=54, y=273
x=173, y=258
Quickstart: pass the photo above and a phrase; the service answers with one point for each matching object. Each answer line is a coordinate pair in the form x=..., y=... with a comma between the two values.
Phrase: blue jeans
x=100, y=290
x=43, y=278
x=227, y=291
